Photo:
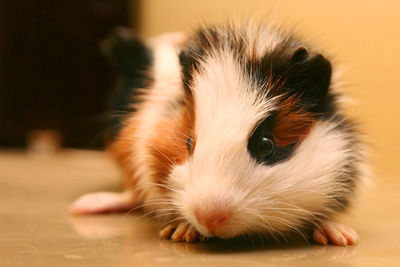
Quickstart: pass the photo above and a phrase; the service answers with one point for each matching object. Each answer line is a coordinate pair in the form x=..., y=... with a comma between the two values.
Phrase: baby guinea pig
x=233, y=130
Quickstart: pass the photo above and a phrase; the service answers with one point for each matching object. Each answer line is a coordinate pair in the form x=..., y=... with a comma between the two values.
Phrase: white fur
x=266, y=38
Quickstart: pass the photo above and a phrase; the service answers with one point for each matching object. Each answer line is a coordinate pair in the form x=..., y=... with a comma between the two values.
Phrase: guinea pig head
x=261, y=155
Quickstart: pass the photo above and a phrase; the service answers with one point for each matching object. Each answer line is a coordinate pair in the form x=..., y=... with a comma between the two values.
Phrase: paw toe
x=320, y=237
x=335, y=233
x=167, y=231
x=181, y=232
x=191, y=235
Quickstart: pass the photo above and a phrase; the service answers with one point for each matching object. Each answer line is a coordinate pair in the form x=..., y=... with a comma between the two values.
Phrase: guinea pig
x=232, y=130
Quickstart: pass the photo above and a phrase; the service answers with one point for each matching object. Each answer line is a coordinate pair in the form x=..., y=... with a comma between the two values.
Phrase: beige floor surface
x=36, y=229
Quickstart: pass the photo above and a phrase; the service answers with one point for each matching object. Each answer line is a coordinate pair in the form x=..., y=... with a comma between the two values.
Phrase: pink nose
x=213, y=220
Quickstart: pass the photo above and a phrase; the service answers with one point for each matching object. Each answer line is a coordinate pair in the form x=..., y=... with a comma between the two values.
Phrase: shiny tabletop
x=36, y=228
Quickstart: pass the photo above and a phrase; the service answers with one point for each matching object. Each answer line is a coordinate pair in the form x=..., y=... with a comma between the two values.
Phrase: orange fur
x=293, y=124
x=169, y=144
x=121, y=149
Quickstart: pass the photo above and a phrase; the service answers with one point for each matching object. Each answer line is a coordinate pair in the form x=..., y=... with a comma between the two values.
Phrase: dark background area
x=52, y=73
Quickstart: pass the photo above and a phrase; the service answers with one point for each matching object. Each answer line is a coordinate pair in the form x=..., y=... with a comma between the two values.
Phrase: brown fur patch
x=293, y=124
x=121, y=149
x=168, y=146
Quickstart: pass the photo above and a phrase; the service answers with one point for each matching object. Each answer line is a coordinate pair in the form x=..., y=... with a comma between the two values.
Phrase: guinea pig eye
x=266, y=148
x=261, y=145
x=189, y=144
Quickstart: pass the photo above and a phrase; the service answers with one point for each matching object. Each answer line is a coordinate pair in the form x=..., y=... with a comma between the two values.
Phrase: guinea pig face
x=261, y=159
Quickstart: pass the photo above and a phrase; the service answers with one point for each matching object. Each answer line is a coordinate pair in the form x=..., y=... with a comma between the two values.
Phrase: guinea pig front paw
x=335, y=233
x=181, y=232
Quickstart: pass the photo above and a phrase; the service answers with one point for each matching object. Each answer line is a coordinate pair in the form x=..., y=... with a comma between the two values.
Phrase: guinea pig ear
x=127, y=53
x=309, y=76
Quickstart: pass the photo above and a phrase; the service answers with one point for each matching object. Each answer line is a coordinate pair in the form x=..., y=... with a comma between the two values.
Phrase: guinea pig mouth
x=223, y=233
x=218, y=233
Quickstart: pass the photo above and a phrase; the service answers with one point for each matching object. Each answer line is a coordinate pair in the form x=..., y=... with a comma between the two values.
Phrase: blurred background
x=55, y=84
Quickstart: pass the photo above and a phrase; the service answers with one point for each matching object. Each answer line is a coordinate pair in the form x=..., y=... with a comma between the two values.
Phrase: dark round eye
x=189, y=144
x=266, y=148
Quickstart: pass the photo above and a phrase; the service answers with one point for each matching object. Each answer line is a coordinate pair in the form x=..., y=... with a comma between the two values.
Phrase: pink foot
x=103, y=202
x=181, y=232
x=335, y=233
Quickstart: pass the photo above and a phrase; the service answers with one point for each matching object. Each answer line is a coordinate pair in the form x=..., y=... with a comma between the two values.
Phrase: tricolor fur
x=222, y=89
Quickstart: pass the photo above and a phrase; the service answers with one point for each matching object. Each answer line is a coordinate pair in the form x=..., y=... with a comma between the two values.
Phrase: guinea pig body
x=237, y=131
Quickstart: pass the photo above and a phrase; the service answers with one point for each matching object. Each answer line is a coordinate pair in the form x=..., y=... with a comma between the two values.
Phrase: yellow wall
x=363, y=35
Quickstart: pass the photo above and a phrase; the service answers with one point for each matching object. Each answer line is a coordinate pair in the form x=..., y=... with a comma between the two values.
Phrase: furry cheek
x=168, y=147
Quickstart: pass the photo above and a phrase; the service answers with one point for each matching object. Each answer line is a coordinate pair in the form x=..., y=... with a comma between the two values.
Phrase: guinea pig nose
x=212, y=219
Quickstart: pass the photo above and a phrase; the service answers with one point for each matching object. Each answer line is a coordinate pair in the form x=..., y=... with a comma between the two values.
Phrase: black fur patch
x=203, y=42
x=133, y=61
x=294, y=70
